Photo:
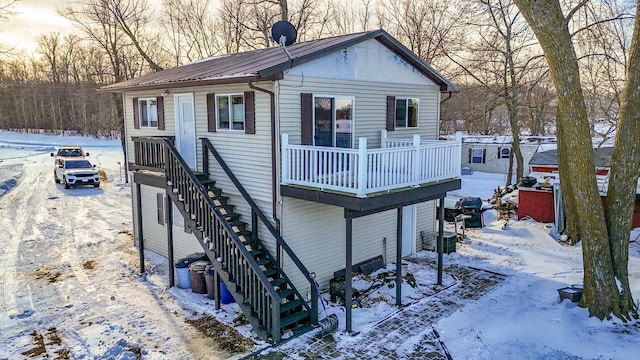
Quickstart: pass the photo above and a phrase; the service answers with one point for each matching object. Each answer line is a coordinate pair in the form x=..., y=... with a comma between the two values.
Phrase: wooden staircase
x=267, y=297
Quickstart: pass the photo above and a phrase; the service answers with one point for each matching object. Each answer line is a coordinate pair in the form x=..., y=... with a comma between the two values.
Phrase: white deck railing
x=365, y=171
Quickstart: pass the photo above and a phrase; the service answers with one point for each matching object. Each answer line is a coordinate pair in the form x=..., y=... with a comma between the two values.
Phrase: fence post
x=458, y=152
x=383, y=138
x=417, y=160
x=284, y=163
x=362, y=167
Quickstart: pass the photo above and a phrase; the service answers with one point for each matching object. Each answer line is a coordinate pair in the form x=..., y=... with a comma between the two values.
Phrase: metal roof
x=602, y=157
x=269, y=63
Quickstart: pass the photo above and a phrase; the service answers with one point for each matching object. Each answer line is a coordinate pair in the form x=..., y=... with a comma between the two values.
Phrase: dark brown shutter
x=470, y=150
x=249, y=112
x=160, y=108
x=484, y=155
x=211, y=112
x=136, y=114
x=306, y=118
x=391, y=113
x=160, y=207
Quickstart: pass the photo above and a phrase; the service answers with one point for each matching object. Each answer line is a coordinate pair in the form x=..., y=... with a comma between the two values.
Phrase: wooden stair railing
x=266, y=296
x=258, y=214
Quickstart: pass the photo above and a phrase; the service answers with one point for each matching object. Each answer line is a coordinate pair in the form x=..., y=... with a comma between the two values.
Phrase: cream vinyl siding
x=317, y=234
x=426, y=221
x=131, y=131
x=494, y=164
x=155, y=235
x=370, y=106
x=248, y=155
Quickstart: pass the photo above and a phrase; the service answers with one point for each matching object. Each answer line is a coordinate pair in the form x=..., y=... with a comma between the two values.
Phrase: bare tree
x=6, y=8
x=429, y=28
x=191, y=28
x=605, y=234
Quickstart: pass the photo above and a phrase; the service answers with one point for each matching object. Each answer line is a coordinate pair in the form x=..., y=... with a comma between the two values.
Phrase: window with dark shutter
x=160, y=108
x=249, y=113
x=136, y=114
x=306, y=118
x=160, y=207
x=477, y=156
x=391, y=113
x=211, y=112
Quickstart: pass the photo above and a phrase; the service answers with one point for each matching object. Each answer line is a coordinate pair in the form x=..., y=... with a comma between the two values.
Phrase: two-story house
x=288, y=164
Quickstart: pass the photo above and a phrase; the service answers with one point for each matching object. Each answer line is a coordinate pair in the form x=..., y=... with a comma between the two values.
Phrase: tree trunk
x=623, y=176
x=600, y=293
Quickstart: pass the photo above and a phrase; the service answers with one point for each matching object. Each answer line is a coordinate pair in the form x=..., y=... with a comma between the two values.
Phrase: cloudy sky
x=32, y=18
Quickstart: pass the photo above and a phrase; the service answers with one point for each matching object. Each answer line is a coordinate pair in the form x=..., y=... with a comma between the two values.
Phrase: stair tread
x=270, y=272
x=286, y=292
x=294, y=318
x=278, y=282
x=290, y=305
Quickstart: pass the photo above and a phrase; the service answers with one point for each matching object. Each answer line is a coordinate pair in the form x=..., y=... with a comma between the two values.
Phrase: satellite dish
x=283, y=33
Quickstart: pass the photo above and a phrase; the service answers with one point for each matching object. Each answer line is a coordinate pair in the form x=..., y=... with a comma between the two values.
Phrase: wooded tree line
x=485, y=46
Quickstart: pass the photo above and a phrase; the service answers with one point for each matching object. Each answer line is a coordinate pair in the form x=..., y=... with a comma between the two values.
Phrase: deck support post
x=348, y=286
x=169, y=211
x=440, y=235
x=139, y=223
x=216, y=290
x=399, y=257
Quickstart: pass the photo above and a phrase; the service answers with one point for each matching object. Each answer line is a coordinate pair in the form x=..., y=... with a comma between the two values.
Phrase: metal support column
x=399, y=257
x=169, y=210
x=140, y=232
x=440, y=235
x=348, y=286
x=216, y=290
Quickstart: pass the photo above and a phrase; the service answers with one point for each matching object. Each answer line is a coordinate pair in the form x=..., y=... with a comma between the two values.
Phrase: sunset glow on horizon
x=31, y=19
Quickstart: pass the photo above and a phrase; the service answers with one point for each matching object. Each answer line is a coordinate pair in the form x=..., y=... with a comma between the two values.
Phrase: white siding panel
x=369, y=107
x=368, y=61
x=426, y=221
x=317, y=234
x=248, y=155
x=155, y=235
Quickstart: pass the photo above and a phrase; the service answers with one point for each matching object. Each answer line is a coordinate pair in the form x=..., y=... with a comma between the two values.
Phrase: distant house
x=491, y=153
x=286, y=166
x=542, y=201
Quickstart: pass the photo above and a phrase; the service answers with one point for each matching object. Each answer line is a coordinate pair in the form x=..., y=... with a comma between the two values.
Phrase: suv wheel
x=66, y=184
x=55, y=177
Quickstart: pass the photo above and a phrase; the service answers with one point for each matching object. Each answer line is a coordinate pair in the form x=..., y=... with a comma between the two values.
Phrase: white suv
x=73, y=172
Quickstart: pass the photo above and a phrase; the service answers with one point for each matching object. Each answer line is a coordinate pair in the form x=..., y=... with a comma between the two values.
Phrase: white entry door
x=185, y=128
x=408, y=229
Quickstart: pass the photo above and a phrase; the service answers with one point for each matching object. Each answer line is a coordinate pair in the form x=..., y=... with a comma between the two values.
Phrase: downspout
x=449, y=97
x=274, y=177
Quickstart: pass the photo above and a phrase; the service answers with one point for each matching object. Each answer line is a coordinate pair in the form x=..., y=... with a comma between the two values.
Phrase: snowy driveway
x=69, y=286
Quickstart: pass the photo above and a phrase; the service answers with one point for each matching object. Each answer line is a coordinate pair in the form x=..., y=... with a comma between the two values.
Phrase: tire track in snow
x=26, y=198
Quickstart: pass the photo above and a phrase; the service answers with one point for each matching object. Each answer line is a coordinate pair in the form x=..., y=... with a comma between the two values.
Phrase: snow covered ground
x=69, y=282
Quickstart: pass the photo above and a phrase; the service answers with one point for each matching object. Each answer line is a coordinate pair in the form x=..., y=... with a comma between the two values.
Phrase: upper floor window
x=230, y=110
x=148, y=112
x=406, y=113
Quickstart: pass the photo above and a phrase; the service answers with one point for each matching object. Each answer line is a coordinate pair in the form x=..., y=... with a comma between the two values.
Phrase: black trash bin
x=471, y=206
